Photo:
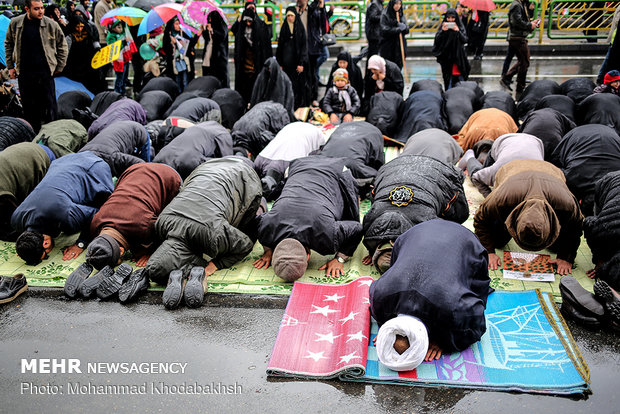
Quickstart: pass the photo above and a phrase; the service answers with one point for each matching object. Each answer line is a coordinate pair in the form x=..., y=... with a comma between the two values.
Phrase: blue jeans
x=320, y=60
x=121, y=80
x=182, y=80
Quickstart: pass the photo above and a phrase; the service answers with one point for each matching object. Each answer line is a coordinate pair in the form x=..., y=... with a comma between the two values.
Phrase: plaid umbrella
x=195, y=13
x=480, y=5
x=130, y=15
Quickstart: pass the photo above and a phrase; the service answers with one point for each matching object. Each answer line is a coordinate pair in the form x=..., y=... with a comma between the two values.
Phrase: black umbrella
x=145, y=5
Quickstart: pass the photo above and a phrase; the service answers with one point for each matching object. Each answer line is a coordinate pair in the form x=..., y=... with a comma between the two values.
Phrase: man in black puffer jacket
x=409, y=190
x=121, y=145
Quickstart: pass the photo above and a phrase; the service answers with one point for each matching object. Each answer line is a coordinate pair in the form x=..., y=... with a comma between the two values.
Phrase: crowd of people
x=195, y=169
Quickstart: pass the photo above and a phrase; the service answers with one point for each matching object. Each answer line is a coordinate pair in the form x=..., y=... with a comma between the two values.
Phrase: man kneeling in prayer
x=432, y=298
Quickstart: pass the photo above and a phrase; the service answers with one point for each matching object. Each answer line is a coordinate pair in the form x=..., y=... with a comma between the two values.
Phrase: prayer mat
x=244, y=278
x=325, y=334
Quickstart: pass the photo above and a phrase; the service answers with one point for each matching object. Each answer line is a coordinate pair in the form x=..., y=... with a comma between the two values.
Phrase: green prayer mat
x=244, y=278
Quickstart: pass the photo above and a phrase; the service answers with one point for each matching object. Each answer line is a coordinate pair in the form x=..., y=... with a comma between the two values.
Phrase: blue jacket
x=67, y=198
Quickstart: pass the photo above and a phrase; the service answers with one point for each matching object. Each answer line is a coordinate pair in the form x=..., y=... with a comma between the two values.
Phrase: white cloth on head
x=416, y=333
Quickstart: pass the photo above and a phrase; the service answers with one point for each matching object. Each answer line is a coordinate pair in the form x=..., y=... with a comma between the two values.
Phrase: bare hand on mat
x=264, y=261
x=367, y=260
x=333, y=268
x=564, y=267
x=210, y=269
x=434, y=352
x=494, y=261
x=71, y=252
x=141, y=262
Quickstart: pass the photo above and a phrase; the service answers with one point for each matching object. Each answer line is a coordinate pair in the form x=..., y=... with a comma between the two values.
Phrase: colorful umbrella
x=195, y=13
x=158, y=16
x=480, y=5
x=145, y=5
x=129, y=15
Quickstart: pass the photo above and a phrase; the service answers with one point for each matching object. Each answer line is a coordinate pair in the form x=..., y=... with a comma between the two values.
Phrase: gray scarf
x=343, y=97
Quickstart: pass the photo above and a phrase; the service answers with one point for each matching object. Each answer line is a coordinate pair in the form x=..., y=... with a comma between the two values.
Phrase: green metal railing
x=578, y=19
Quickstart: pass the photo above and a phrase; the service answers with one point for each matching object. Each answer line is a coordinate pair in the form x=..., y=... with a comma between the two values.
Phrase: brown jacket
x=527, y=179
x=101, y=8
x=489, y=123
x=52, y=39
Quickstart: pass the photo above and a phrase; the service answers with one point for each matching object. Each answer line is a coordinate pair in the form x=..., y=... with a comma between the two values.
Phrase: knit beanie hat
x=290, y=260
x=611, y=76
x=102, y=251
x=341, y=74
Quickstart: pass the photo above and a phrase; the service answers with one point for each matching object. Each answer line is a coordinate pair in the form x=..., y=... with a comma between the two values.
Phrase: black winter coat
x=194, y=146
x=318, y=207
x=119, y=145
x=549, y=126
x=500, y=100
x=391, y=34
x=585, y=155
x=578, y=88
x=409, y=190
x=600, y=108
x=198, y=110
x=385, y=108
x=254, y=130
x=439, y=274
x=602, y=230
x=460, y=103
x=422, y=110
x=122, y=110
x=562, y=104
x=373, y=21
x=361, y=145
x=534, y=92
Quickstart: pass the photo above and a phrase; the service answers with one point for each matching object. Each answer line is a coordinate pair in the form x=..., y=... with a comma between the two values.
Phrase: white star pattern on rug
x=350, y=317
x=347, y=358
x=325, y=310
x=333, y=298
x=365, y=282
x=316, y=355
x=327, y=337
x=357, y=336
x=366, y=301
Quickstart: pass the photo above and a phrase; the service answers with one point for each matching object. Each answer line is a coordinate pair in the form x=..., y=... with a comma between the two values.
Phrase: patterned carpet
x=244, y=278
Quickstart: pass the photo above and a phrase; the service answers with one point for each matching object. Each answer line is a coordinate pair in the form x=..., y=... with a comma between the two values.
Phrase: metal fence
x=568, y=19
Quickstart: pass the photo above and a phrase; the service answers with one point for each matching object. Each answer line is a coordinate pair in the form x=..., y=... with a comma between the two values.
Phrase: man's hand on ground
x=564, y=267
x=333, y=268
x=367, y=260
x=71, y=252
x=264, y=261
x=434, y=352
x=141, y=262
x=591, y=273
x=494, y=261
x=210, y=269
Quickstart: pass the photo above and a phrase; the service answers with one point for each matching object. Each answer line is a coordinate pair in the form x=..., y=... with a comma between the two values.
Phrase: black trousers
x=522, y=51
x=38, y=96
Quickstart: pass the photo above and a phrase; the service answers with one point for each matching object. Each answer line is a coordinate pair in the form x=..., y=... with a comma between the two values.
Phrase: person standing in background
x=36, y=50
x=477, y=31
x=393, y=30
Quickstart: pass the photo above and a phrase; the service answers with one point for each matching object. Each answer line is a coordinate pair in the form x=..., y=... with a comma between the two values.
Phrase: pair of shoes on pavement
x=590, y=310
x=106, y=283
x=12, y=286
x=191, y=288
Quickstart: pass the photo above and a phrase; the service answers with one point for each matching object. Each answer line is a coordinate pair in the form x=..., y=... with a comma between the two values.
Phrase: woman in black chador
x=292, y=55
x=449, y=49
x=393, y=29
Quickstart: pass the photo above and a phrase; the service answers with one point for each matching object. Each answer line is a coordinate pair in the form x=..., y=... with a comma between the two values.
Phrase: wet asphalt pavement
x=228, y=342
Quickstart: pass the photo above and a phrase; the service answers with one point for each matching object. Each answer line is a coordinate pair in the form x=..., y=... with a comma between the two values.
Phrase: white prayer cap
x=416, y=333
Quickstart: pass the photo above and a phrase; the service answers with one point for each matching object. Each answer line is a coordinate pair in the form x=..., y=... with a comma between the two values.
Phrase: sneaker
x=12, y=287
x=174, y=291
x=194, y=289
x=505, y=84
x=111, y=285
x=76, y=278
x=137, y=284
x=89, y=287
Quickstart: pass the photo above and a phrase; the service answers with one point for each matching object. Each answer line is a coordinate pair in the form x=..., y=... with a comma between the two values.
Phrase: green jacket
x=63, y=137
x=52, y=39
x=22, y=167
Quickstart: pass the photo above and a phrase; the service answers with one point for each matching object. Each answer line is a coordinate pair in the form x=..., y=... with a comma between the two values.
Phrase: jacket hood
x=533, y=224
x=388, y=226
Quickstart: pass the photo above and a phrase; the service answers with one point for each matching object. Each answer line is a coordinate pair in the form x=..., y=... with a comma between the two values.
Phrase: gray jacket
x=52, y=39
